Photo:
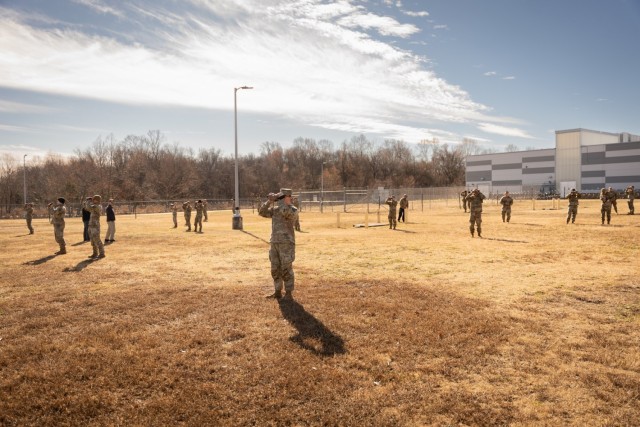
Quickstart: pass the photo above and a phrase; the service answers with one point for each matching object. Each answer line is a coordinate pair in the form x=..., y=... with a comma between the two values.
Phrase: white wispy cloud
x=503, y=130
x=100, y=7
x=12, y=128
x=490, y=73
x=440, y=27
x=416, y=14
x=20, y=107
x=308, y=60
x=509, y=78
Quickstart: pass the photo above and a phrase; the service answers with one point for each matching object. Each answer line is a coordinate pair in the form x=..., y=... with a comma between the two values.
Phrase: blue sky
x=497, y=71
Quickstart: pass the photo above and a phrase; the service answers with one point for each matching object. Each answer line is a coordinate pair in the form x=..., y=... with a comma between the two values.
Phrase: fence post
x=338, y=219
x=345, y=198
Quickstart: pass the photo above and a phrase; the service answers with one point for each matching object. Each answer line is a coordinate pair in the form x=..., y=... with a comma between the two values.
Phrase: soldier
x=94, y=207
x=28, y=207
x=631, y=194
x=111, y=222
x=279, y=207
x=614, y=198
x=58, y=213
x=506, y=201
x=86, y=215
x=198, y=220
x=607, y=201
x=474, y=200
x=573, y=205
x=392, y=202
x=296, y=203
x=174, y=213
x=204, y=207
x=464, y=195
x=186, y=207
x=404, y=204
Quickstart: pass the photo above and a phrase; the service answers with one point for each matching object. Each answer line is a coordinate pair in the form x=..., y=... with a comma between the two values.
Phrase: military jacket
x=404, y=203
x=475, y=201
x=29, y=214
x=283, y=219
x=58, y=213
x=506, y=202
x=573, y=199
x=392, y=206
x=96, y=211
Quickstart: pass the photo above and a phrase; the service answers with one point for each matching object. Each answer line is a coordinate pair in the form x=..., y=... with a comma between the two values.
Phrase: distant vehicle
x=548, y=191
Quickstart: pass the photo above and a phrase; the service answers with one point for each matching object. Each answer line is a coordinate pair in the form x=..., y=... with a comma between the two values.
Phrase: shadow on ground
x=310, y=330
x=41, y=260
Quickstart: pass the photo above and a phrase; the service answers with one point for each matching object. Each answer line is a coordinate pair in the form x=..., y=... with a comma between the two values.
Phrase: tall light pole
x=24, y=177
x=322, y=185
x=237, y=218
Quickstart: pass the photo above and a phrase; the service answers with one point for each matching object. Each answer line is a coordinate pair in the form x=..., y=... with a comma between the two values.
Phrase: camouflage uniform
x=198, y=220
x=573, y=206
x=58, y=213
x=174, y=214
x=296, y=203
x=607, y=202
x=391, y=201
x=29, y=216
x=204, y=211
x=464, y=195
x=614, y=198
x=506, y=201
x=95, y=208
x=631, y=194
x=283, y=241
x=404, y=204
x=474, y=200
x=186, y=206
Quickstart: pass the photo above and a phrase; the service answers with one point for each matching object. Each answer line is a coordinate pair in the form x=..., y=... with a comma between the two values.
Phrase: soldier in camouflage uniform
x=631, y=194
x=174, y=213
x=391, y=201
x=58, y=213
x=607, y=202
x=463, y=196
x=506, y=201
x=186, y=206
x=95, y=208
x=296, y=203
x=573, y=205
x=614, y=198
x=28, y=207
x=199, y=206
x=474, y=200
x=404, y=204
x=283, y=216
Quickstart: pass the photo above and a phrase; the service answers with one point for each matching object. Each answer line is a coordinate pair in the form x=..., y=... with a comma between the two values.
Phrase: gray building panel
x=479, y=163
x=623, y=146
x=479, y=176
x=592, y=187
x=530, y=171
x=623, y=179
x=506, y=166
x=508, y=182
x=590, y=174
x=592, y=158
x=622, y=159
x=538, y=159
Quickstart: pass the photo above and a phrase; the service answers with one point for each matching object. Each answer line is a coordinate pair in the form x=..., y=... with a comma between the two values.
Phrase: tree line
x=145, y=167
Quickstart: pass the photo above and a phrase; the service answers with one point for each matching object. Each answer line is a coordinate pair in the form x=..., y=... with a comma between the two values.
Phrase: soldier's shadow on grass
x=80, y=266
x=255, y=237
x=80, y=243
x=312, y=335
x=504, y=240
x=405, y=231
x=40, y=261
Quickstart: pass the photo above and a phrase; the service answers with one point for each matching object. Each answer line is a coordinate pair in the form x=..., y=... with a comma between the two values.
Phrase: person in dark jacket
x=86, y=216
x=111, y=222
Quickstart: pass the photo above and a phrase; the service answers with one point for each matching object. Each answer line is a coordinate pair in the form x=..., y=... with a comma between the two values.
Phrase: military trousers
x=475, y=219
x=197, y=222
x=29, y=226
x=175, y=219
x=606, y=212
x=392, y=220
x=573, y=211
x=282, y=256
x=630, y=203
x=506, y=214
x=58, y=232
x=187, y=221
x=96, y=242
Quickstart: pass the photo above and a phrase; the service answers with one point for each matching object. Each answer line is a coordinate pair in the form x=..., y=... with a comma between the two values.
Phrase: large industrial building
x=583, y=159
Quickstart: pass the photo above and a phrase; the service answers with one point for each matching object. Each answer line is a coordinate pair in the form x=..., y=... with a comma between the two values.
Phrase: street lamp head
x=243, y=87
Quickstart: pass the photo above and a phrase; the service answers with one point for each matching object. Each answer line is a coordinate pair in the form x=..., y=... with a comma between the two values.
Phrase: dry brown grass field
x=537, y=323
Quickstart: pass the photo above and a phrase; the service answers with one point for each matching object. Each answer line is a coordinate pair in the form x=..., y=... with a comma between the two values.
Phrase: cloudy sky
x=498, y=71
